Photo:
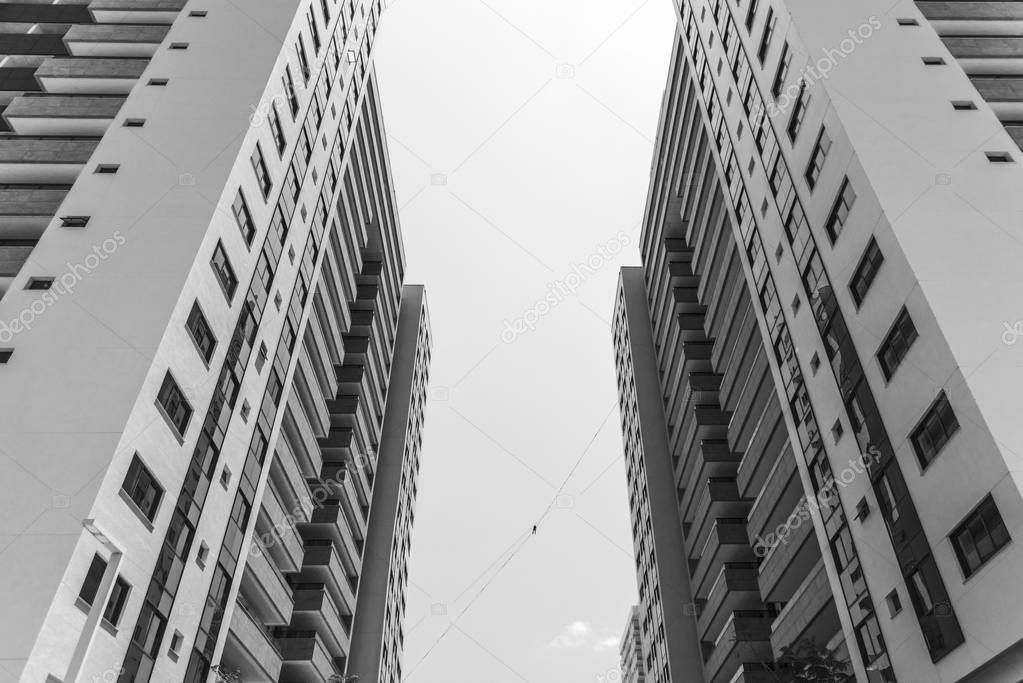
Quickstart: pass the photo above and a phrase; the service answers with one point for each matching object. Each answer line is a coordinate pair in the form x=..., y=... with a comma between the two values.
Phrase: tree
x=809, y=662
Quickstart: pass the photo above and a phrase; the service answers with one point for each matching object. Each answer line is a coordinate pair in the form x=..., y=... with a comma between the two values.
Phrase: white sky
x=539, y=118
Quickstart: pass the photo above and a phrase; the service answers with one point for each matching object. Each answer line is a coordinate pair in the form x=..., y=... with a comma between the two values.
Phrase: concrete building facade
x=824, y=322
x=630, y=650
x=212, y=376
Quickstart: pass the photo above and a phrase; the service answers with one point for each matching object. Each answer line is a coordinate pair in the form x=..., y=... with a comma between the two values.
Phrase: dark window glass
x=225, y=273
x=934, y=430
x=115, y=605
x=280, y=142
x=783, y=70
x=840, y=211
x=92, y=580
x=897, y=344
x=798, y=112
x=142, y=488
x=979, y=536
x=303, y=60
x=201, y=333
x=817, y=158
x=866, y=271
x=765, y=37
x=240, y=209
x=262, y=174
x=289, y=91
x=174, y=404
x=751, y=14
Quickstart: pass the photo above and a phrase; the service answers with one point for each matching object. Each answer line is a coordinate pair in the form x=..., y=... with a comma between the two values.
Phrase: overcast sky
x=520, y=136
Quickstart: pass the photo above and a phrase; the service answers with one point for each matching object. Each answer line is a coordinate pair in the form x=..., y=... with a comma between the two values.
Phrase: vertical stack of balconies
x=65, y=70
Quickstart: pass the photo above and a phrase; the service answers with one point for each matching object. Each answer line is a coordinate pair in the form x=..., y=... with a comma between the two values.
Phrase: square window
x=41, y=283
x=115, y=605
x=107, y=169
x=174, y=650
x=837, y=430
x=894, y=603
x=5, y=355
x=225, y=477
x=906, y=21
x=246, y=408
x=979, y=536
x=175, y=407
x=158, y=81
x=260, y=169
x=198, y=14
x=243, y=218
x=179, y=46
x=261, y=357
x=938, y=425
x=134, y=123
x=998, y=157
x=963, y=105
x=202, y=335
x=74, y=221
x=815, y=362
x=224, y=272
x=933, y=61
x=142, y=488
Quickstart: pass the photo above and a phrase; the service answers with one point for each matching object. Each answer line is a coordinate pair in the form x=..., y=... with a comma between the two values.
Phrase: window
x=289, y=91
x=905, y=21
x=107, y=168
x=92, y=580
x=134, y=123
x=897, y=344
x=243, y=218
x=261, y=357
x=840, y=211
x=175, y=407
x=262, y=175
x=979, y=536
x=933, y=61
x=751, y=15
x=280, y=142
x=866, y=271
x=158, y=81
x=963, y=105
x=894, y=603
x=199, y=14
x=817, y=158
x=783, y=70
x=998, y=157
x=798, y=112
x=303, y=60
x=202, y=335
x=938, y=425
x=39, y=283
x=202, y=554
x=225, y=273
x=5, y=355
x=179, y=46
x=314, y=30
x=115, y=605
x=765, y=37
x=142, y=488
x=74, y=221
x=177, y=640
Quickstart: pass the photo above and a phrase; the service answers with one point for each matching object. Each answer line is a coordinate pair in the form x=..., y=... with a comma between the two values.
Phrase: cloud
x=579, y=634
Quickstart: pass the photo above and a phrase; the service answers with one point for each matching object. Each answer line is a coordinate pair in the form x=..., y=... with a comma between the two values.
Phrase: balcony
x=265, y=590
x=330, y=522
x=249, y=649
x=114, y=40
x=135, y=11
x=65, y=115
x=769, y=440
x=726, y=542
x=24, y=214
x=276, y=527
x=745, y=639
x=302, y=439
x=736, y=588
x=716, y=498
x=305, y=659
x=322, y=564
x=780, y=495
x=788, y=560
x=287, y=479
x=712, y=459
x=79, y=76
x=315, y=611
x=812, y=613
x=42, y=161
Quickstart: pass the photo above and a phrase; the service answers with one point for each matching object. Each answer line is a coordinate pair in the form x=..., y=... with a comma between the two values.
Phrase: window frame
x=923, y=428
x=978, y=514
x=169, y=384
x=834, y=216
x=228, y=280
x=862, y=274
x=197, y=315
x=902, y=332
x=261, y=171
x=139, y=473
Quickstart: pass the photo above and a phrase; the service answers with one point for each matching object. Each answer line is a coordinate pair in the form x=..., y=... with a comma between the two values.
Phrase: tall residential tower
x=818, y=360
x=211, y=374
